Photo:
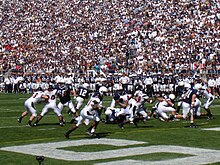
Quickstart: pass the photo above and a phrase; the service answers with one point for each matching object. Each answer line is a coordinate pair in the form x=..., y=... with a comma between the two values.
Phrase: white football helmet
x=96, y=100
x=187, y=86
x=181, y=83
x=86, y=85
x=172, y=96
x=145, y=97
x=108, y=112
x=103, y=90
x=198, y=86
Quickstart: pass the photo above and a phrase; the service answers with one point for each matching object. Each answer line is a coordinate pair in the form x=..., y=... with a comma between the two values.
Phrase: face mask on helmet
x=172, y=96
x=103, y=90
x=50, y=88
x=86, y=85
x=187, y=86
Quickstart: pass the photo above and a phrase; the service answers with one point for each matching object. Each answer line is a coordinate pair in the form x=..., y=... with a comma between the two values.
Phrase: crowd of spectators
x=141, y=36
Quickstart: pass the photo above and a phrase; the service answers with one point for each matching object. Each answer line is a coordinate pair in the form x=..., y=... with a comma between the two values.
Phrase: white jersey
x=148, y=81
x=207, y=94
x=52, y=95
x=211, y=83
x=124, y=80
x=29, y=103
x=163, y=108
x=209, y=98
x=140, y=97
x=36, y=97
x=51, y=103
x=163, y=103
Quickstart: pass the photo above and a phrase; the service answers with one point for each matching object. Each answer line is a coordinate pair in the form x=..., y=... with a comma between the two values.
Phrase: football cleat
x=19, y=120
x=121, y=126
x=28, y=125
x=89, y=133
x=73, y=121
x=61, y=124
x=35, y=124
x=135, y=123
x=210, y=117
x=192, y=125
x=67, y=135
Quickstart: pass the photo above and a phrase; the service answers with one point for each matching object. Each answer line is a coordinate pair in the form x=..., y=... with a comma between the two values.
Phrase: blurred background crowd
x=55, y=37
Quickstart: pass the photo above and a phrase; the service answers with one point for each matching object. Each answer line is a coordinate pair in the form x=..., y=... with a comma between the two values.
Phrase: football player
x=166, y=105
x=51, y=94
x=124, y=115
x=82, y=93
x=90, y=112
x=188, y=104
x=29, y=105
x=137, y=106
x=179, y=94
x=209, y=98
x=64, y=93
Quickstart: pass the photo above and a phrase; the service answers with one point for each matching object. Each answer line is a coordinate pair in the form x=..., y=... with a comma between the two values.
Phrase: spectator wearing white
x=212, y=84
x=98, y=81
x=124, y=81
x=22, y=86
x=149, y=85
x=7, y=82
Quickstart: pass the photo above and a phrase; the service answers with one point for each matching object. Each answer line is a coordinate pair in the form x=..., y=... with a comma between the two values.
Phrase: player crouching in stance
x=137, y=106
x=166, y=105
x=90, y=111
x=125, y=114
x=29, y=105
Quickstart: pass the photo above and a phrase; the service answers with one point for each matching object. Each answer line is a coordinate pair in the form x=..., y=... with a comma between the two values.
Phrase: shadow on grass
x=144, y=126
x=100, y=135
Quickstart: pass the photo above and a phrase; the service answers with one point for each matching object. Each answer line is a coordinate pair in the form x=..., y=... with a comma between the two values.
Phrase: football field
x=153, y=142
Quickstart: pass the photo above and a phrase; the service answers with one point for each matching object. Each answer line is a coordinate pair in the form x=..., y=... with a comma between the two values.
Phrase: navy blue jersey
x=189, y=94
x=172, y=80
x=116, y=80
x=116, y=96
x=64, y=94
x=179, y=91
x=98, y=95
x=159, y=80
x=166, y=80
x=155, y=79
x=83, y=92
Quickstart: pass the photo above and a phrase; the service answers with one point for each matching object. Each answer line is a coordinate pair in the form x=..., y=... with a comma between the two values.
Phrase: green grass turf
x=154, y=132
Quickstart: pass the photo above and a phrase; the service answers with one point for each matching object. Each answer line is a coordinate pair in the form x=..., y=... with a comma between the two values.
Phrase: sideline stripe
x=45, y=129
x=23, y=98
x=211, y=129
x=13, y=126
x=9, y=110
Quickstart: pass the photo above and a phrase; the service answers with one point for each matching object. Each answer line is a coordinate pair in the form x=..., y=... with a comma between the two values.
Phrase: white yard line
x=53, y=150
x=13, y=126
x=46, y=129
x=211, y=129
